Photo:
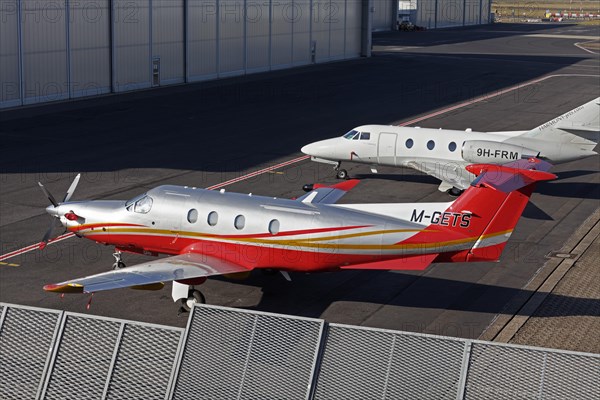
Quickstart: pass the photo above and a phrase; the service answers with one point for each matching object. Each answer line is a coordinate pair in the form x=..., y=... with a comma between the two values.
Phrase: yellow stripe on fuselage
x=314, y=242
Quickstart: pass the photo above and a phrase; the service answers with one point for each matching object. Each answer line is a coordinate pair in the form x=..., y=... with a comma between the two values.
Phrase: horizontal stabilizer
x=409, y=263
x=512, y=176
x=324, y=194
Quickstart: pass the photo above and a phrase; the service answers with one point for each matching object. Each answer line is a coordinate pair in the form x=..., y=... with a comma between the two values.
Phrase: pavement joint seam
x=505, y=326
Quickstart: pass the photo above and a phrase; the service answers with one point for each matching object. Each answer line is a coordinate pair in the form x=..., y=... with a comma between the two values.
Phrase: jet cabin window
x=141, y=204
x=351, y=135
x=355, y=135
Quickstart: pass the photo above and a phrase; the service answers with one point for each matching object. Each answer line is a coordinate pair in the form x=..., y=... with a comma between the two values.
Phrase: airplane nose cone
x=308, y=149
x=52, y=210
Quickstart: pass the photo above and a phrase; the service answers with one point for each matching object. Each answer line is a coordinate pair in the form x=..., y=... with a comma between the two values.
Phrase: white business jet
x=444, y=153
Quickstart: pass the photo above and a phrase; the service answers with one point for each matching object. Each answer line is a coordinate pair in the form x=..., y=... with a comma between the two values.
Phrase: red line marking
x=475, y=100
x=302, y=158
x=35, y=246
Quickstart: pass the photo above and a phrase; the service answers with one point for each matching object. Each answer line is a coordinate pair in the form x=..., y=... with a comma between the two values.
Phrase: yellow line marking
x=275, y=172
x=9, y=264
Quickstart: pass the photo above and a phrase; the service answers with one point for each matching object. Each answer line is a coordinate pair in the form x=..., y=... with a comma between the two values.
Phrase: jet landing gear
x=340, y=173
x=118, y=261
x=454, y=192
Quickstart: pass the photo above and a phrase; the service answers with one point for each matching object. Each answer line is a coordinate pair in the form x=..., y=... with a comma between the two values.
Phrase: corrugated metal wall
x=89, y=40
x=54, y=50
x=433, y=14
x=384, y=17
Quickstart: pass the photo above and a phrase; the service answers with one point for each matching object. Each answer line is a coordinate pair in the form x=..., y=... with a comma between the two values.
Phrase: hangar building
x=65, y=49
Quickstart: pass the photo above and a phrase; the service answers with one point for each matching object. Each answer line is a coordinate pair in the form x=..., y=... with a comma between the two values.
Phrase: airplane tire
x=454, y=192
x=118, y=265
x=194, y=297
x=342, y=174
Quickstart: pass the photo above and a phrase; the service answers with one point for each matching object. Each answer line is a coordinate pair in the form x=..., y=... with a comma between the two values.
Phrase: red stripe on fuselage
x=247, y=255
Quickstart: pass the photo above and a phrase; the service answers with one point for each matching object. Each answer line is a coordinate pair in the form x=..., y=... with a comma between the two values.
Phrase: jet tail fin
x=579, y=126
x=495, y=202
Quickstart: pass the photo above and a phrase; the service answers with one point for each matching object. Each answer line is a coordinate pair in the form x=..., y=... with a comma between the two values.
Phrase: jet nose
x=322, y=148
x=308, y=149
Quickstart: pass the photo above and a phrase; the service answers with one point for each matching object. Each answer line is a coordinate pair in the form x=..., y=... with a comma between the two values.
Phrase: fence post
x=464, y=370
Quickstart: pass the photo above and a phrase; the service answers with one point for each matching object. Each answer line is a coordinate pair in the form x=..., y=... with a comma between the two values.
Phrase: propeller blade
x=72, y=188
x=48, y=195
x=49, y=232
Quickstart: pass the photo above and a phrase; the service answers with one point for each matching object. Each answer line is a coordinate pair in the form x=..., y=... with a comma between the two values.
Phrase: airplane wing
x=151, y=274
x=452, y=174
x=409, y=263
x=323, y=194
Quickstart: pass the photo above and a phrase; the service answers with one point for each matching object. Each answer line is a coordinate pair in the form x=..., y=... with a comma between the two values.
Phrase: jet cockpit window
x=352, y=134
x=365, y=136
x=141, y=204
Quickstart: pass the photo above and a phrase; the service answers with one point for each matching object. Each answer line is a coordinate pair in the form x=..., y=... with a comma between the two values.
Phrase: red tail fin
x=496, y=200
x=478, y=224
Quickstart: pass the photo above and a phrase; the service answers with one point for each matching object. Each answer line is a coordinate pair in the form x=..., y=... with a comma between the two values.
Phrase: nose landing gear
x=118, y=261
x=340, y=173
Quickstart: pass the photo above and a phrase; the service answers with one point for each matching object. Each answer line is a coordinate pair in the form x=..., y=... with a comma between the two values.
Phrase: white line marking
x=489, y=96
x=583, y=48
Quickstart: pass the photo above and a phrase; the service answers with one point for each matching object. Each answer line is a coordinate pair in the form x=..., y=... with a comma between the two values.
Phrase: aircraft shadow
x=240, y=123
x=579, y=190
x=310, y=295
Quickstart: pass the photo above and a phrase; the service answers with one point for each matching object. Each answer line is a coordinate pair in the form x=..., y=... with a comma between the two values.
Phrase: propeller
x=55, y=221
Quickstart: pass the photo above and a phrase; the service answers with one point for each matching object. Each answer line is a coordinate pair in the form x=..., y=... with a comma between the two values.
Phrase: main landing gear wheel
x=194, y=297
x=342, y=174
x=118, y=261
x=455, y=192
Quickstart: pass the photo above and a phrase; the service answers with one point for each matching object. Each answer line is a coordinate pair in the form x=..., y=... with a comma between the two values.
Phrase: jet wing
x=150, y=274
x=450, y=173
x=323, y=194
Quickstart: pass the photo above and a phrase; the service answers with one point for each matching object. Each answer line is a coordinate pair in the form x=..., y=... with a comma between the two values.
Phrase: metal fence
x=239, y=354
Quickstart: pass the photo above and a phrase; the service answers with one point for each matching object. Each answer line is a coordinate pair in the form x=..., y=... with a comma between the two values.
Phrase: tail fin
x=580, y=126
x=495, y=202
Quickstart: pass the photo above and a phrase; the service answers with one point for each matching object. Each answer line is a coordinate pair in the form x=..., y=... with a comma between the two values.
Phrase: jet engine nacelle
x=483, y=151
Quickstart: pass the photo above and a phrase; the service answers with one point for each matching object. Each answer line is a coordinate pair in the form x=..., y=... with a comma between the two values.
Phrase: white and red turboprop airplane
x=444, y=153
x=208, y=233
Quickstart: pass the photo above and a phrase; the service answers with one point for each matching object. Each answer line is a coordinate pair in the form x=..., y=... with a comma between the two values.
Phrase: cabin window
x=351, y=134
x=409, y=143
x=192, y=216
x=274, y=227
x=239, y=222
x=365, y=136
x=141, y=204
x=213, y=218
x=452, y=146
x=431, y=145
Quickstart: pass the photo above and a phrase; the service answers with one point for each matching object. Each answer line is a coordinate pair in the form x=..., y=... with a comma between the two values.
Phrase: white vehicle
x=444, y=153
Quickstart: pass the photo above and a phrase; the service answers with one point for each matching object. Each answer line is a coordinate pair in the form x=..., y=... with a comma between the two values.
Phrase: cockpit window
x=351, y=135
x=140, y=204
x=365, y=136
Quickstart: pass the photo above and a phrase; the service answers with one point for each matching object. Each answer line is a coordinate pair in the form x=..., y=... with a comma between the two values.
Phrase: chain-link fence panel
x=83, y=358
x=237, y=354
x=365, y=363
x=144, y=363
x=26, y=339
x=498, y=371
